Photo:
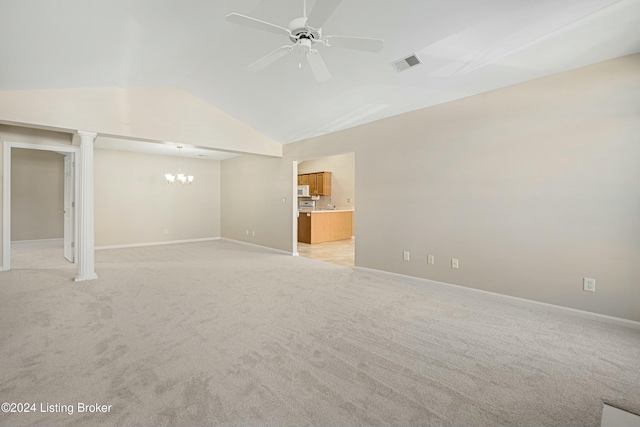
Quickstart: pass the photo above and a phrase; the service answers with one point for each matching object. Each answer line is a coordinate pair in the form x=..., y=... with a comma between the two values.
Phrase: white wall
x=135, y=205
x=37, y=194
x=532, y=187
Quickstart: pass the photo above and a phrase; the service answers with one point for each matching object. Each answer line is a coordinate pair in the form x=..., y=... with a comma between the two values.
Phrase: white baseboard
x=60, y=239
x=167, y=242
x=280, y=251
x=517, y=300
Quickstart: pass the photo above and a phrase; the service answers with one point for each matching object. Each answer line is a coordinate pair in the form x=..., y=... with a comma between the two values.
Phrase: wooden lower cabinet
x=304, y=227
x=318, y=227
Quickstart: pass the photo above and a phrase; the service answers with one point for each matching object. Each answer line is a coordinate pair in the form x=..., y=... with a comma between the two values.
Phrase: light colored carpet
x=38, y=254
x=217, y=333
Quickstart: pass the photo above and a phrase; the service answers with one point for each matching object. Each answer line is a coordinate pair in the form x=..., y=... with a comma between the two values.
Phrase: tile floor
x=340, y=252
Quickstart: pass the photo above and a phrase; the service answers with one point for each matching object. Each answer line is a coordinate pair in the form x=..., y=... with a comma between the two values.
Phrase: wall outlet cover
x=589, y=284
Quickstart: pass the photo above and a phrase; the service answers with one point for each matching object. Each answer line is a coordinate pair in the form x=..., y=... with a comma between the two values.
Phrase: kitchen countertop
x=324, y=210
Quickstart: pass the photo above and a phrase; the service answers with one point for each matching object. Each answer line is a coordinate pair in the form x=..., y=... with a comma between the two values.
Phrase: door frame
x=295, y=212
x=6, y=192
x=70, y=232
x=296, y=164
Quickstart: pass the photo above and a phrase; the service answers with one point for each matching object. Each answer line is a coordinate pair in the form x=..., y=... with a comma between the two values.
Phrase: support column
x=85, y=208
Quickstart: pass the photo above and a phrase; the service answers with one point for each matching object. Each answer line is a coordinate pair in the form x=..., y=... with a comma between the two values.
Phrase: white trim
x=517, y=300
x=280, y=251
x=38, y=241
x=166, y=242
x=85, y=209
x=6, y=190
x=6, y=206
x=294, y=210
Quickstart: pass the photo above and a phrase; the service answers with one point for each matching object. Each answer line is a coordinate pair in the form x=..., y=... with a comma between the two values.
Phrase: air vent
x=406, y=63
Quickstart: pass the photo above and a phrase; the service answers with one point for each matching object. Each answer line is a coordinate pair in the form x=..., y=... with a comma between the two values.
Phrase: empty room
x=320, y=213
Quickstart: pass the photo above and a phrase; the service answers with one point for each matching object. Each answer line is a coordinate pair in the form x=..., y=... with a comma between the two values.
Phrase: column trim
x=85, y=208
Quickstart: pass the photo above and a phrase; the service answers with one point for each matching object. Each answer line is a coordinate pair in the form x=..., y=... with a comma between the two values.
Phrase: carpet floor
x=218, y=333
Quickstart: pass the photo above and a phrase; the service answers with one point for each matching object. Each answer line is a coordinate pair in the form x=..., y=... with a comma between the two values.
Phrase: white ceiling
x=467, y=47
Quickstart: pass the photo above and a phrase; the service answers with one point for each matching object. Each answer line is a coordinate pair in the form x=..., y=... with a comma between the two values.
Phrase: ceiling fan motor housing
x=299, y=30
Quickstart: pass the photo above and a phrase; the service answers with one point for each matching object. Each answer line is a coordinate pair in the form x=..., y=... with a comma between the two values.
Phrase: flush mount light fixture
x=179, y=176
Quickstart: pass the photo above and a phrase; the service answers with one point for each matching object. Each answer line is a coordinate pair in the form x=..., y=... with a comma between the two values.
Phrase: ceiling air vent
x=406, y=63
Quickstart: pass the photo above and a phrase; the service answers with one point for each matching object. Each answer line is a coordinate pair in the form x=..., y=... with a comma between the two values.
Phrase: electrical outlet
x=431, y=259
x=589, y=284
x=454, y=262
x=348, y=200
x=253, y=232
x=246, y=232
x=284, y=200
x=405, y=255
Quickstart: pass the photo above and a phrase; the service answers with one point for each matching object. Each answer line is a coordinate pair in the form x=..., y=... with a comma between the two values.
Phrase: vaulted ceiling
x=466, y=47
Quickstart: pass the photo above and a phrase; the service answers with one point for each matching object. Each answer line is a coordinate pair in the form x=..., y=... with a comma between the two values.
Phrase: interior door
x=69, y=207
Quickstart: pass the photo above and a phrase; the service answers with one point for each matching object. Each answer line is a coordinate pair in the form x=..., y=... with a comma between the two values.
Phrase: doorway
x=43, y=229
x=338, y=202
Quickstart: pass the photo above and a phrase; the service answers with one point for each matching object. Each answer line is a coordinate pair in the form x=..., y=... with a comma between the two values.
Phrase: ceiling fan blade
x=317, y=65
x=321, y=12
x=248, y=21
x=270, y=58
x=356, y=43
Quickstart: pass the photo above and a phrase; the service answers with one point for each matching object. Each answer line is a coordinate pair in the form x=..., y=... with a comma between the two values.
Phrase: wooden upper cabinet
x=319, y=183
x=313, y=184
x=323, y=183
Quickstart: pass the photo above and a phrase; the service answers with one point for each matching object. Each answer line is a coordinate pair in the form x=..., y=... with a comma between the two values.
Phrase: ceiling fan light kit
x=304, y=32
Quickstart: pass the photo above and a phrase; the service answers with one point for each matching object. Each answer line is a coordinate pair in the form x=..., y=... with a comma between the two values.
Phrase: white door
x=69, y=207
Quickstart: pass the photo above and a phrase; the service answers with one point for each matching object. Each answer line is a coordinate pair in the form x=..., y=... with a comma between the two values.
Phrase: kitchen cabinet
x=324, y=226
x=319, y=183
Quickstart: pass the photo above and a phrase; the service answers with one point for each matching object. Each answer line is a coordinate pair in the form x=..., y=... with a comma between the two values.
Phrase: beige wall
x=343, y=180
x=147, y=113
x=37, y=194
x=252, y=194
x=134, y=204
x=532, y=187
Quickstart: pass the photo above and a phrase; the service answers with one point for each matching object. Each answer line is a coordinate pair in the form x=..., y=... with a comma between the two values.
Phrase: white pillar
x=85, y=209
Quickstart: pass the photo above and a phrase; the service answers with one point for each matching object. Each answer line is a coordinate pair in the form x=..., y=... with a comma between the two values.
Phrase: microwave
x=303, y=191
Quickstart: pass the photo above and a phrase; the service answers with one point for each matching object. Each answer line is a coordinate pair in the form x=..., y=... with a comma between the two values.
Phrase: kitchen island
x=317, y=226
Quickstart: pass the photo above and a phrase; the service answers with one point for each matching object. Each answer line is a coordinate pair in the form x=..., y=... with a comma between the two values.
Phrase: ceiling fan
x=305, y=32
